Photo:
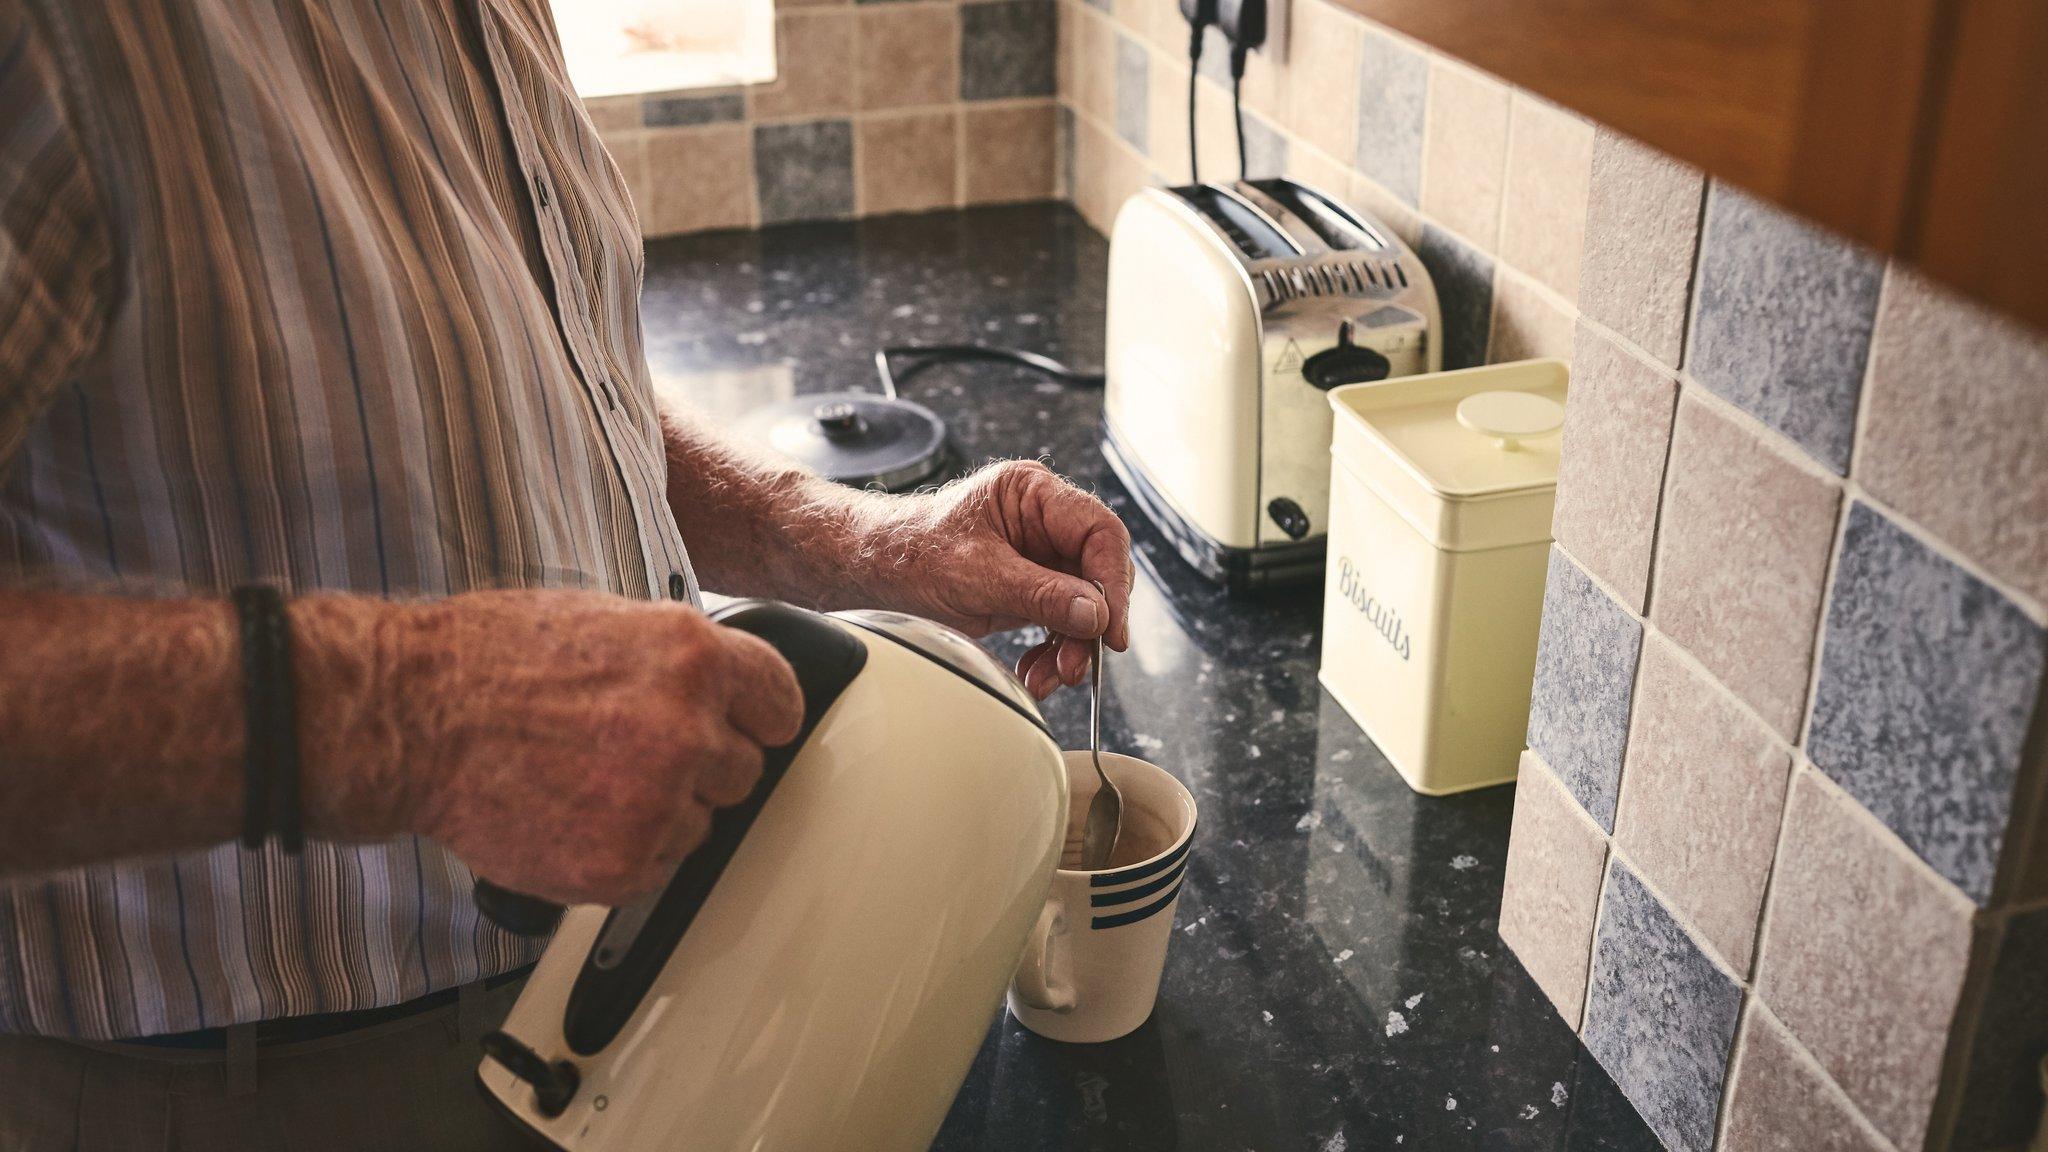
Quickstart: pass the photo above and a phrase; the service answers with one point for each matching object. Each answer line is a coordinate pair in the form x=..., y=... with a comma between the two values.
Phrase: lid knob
x=838, y=420
x=1510, y=417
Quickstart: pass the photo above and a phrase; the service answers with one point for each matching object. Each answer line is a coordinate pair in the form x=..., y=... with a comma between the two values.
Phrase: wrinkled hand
x=571, y=745
x=1012, y=545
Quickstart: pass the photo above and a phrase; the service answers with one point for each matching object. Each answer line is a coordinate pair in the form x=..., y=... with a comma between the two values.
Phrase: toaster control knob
x=1289, y=516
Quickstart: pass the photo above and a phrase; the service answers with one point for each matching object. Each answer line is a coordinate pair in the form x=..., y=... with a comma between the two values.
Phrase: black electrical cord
x=1194, y=169
x=930, y=354
x=1237, y=114
x=1237, y=56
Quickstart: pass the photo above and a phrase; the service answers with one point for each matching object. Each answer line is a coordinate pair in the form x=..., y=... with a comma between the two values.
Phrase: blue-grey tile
x=1265, y=149
x=2002, y=1089
x=1464, y=290
x=1782, y=322
x=1008, y=48
x=676, y=110
x=804, y=171
x=1585, y=676
x=1928, y=678
x=1393, y=96
x=1660, y=1017
x=1133, y=90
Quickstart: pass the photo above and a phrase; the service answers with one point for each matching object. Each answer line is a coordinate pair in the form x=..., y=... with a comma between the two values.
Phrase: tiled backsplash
x=898, y=106
x=1781, y=840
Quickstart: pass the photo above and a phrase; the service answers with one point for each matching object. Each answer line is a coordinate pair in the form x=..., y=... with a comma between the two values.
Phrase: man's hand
x=1011, y=545
x=564, y=744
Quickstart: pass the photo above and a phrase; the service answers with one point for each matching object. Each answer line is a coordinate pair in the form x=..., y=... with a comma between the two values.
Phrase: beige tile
x=1781, y=1101
x=1464, y=153
x=1742, y=553
x=1955, y=426
x=815, y=51
x=1158, y=22
x=907, y=56
x=1703, y=790
x=1311, y=167
x=1527, y=323
x=1322, y=75
x=1642, y=227
x=609, y=114
x=782, y=4
x=699, y=179
x=907, y=161
x=1094, y=65
x=1166, y=127
x=1386, y=208
x=1551, y=892
x=1011, y=153
x=1106, y=173
x=1863, y=957
x=1543, y=215
x=1617, y=435
x=1269, y=87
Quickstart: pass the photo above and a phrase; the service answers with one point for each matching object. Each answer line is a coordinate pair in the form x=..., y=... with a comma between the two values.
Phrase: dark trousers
x=404, y=1085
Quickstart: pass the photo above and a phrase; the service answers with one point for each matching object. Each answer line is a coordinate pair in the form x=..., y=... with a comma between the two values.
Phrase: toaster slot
x=1332, y=223
x=1255, y=237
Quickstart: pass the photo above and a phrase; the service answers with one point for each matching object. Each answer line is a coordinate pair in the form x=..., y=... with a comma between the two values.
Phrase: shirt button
x=540, y=189
x=678, y=588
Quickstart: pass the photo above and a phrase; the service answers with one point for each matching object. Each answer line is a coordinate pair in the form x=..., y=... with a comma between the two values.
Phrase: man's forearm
x=121, y=725
x=758, y=526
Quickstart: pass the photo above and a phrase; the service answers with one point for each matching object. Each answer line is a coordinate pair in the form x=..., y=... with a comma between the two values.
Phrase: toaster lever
x=1345, y=363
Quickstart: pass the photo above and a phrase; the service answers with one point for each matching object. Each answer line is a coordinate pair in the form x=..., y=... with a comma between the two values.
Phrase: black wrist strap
x=271, y=764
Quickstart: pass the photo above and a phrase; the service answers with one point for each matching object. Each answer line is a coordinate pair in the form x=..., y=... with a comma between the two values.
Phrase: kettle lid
x=856, y=438
x=954, y=651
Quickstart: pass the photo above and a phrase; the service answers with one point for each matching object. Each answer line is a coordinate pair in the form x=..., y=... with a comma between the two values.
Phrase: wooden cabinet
x=1918, y=127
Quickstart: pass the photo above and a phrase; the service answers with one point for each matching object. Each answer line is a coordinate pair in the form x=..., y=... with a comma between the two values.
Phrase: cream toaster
x=1233, y=309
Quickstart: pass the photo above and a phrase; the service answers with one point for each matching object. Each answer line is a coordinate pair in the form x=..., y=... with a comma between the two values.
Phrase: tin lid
x=1463, y=443
x=1468, y=457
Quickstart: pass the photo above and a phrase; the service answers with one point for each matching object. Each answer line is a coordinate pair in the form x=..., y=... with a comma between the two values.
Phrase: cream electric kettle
x=820, y=973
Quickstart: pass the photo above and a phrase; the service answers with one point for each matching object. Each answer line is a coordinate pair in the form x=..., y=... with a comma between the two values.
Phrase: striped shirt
x=337, y=294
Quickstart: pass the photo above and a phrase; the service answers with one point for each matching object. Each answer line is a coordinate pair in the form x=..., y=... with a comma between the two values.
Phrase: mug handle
x=1039, y=983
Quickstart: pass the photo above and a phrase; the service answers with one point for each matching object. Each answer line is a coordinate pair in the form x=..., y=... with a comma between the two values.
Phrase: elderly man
x=339, y=298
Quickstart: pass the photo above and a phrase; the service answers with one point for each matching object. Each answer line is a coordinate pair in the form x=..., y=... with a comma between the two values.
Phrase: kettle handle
x=516, y=912
x=822, y=673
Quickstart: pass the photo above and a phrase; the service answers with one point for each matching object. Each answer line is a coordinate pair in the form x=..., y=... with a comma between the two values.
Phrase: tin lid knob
x=1510, y=417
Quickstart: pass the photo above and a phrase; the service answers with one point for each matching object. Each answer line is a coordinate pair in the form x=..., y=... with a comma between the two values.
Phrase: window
x=615, y=47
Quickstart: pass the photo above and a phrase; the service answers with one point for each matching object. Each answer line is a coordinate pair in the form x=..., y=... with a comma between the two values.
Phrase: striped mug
x=1090, y=970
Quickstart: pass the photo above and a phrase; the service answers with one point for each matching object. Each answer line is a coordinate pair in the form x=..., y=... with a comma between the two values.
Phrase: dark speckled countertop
x=1335, y=982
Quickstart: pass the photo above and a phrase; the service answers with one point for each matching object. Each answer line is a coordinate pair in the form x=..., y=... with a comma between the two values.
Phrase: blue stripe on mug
x=1133, y=895
x=1141, y=871
x=1132, y=917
